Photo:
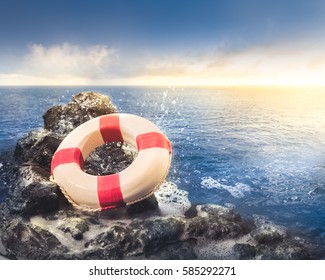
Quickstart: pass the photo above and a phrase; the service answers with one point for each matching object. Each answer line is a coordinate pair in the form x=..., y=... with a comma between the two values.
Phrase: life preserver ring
x=136, y=182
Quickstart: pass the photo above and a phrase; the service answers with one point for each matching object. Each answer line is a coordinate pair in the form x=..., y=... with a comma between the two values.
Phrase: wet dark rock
x=288, y=250
x=38, y=148
x=245, y=251
x=38, y=198
x=140, y=209
x=109, y=158
x=33, y=192
x=37, y=221
x=148, y=204
x=8, y=173
x=25, y=241
x=274, y=243
x=154, y=234
x=267, y=235
x=139, y=237
x=191, y=212
x=114, y=243
x=76, y=226
x=217, y=222
x=83, y=107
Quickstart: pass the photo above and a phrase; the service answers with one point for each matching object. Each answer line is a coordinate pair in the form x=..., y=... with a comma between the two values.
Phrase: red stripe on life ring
x=109, y=127
x=109, y=191
x=67, y=155
x=153, y=140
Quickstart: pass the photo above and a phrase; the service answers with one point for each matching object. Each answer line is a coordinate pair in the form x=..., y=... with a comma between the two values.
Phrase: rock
x=33, y=192
x=76, y=226
x=245, y=251
x=139, y=237
x=217, y=222
x=267, y=235
x=143, y=206
x=38, y=148
x=24, y=241
x=109, y=158
x=8, y=172
x=114, y=243
x=274, y=243
x=37, y=198
x=288, y=250
x=83, y=107
x=154, y=234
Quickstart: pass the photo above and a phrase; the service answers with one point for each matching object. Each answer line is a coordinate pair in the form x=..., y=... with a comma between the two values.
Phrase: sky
x=162, y=42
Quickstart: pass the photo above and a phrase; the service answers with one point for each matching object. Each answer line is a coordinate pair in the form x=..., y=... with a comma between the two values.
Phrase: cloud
x=166, y=66
x=61, y=64
x=68, y=64
x=66, y=60
x=261, y=65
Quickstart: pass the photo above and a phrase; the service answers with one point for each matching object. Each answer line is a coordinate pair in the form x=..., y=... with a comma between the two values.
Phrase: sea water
x=261, y=152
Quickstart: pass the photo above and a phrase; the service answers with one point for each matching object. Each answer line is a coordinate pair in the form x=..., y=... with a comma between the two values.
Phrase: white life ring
x=136, y=182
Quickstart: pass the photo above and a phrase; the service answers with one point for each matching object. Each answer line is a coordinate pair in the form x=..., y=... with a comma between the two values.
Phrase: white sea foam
x=53, y=227
x=238, y=190
x=230, y=205
x=171, y=200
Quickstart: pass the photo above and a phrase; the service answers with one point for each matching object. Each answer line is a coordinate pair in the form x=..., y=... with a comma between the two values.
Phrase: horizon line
x=169, y=85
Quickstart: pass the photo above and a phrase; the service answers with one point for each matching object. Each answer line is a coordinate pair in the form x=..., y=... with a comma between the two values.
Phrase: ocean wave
x=237, y=191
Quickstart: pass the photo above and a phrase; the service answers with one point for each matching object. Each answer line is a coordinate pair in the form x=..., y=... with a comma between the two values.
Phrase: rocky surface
x=83, y=107
x=37, y=222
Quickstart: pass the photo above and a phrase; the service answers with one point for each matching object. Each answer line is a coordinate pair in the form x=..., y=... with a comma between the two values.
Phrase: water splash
x=171, y=200
x=237, y=191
